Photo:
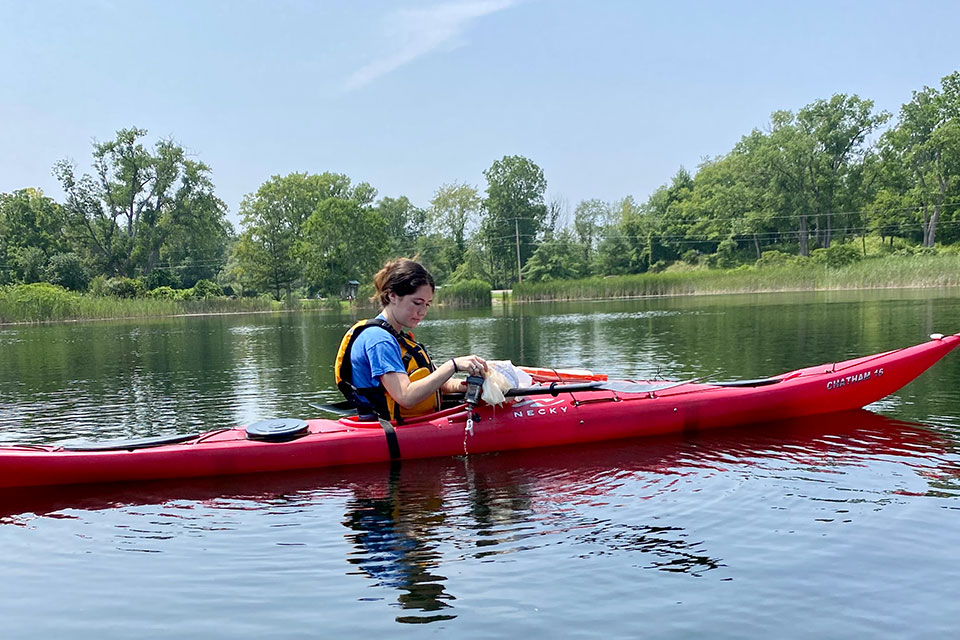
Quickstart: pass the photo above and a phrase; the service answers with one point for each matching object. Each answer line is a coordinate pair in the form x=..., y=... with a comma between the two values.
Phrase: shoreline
x=693, y=294
x=504, y=298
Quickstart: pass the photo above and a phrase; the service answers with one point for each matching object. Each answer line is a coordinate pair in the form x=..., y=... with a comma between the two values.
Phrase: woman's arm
x=408, y=394
x=454, y=385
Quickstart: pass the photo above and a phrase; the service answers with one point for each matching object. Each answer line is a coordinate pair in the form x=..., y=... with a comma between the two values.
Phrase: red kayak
x=565, y=411
x=845, y=437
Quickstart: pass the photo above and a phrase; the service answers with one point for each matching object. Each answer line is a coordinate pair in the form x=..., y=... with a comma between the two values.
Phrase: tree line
x=812, y=183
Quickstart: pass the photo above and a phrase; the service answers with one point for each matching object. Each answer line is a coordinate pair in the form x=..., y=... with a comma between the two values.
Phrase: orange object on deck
x=563, y=375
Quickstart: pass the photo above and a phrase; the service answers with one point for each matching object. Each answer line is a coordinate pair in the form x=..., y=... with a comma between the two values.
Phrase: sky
x=609, y=98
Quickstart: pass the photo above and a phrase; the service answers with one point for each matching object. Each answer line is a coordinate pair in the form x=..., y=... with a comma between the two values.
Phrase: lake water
x=840, y=526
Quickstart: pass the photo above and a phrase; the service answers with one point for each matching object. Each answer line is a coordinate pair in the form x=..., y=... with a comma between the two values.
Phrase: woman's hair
x=402, y=277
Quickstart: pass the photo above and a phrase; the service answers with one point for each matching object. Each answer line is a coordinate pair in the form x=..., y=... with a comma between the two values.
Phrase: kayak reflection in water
x=380, y=368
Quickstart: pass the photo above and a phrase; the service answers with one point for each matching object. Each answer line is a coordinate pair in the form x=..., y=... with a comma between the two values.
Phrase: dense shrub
x=161, y=278
x=365, y=291
x=774, y=258
x=124, y=287
x=838, y=255
x=98, y=286
x=727, y=254
x=658, y=266
x=162, y=293
x=68, y=271
x=206, y=289
x=37, y=301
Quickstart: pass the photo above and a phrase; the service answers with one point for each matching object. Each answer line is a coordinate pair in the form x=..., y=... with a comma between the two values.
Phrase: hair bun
x=401, y=276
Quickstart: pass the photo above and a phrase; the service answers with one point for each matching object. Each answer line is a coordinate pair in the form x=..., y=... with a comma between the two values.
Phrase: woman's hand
x=470, y=365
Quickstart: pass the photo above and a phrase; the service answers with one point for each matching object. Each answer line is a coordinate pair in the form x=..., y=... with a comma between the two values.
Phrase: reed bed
x=42, y=302
x=882, y=272
x=469, y=293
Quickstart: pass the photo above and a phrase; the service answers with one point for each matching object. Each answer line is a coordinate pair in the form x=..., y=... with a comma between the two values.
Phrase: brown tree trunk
x=827, y=232
x=804, y=250
x=930, y=228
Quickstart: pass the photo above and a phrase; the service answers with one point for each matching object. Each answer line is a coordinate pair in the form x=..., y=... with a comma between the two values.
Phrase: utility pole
x=516, y=230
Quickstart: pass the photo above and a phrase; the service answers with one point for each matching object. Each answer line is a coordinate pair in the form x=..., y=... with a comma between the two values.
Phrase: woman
x=382, y=369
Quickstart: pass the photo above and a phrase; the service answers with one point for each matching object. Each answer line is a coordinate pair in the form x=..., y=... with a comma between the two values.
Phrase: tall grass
x=872, y=273
x=41, y=302
x=326, y=304
x=469, y=293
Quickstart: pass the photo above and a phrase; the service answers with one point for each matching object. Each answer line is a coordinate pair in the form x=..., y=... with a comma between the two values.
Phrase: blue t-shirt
x=375, y=353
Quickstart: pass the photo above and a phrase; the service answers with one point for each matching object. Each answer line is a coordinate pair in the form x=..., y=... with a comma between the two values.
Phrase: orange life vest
x=374, y=402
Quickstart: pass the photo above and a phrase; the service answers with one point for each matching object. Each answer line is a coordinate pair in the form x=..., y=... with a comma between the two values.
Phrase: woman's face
x=410, y=310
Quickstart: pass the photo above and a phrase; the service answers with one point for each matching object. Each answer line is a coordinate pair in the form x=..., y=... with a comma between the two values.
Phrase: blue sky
x=609, y=98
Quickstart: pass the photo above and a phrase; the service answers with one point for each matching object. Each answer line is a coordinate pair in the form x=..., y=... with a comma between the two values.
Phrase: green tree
x=124, y=217
x=251, y=264
x=31, y=232
x=264, y=251
x=405, y=223
x=815, y=156
x=926, y=142
x=725, y=205
x=589, y=218
x=30, y=219
x=162, y=278
x=892, y=209
x=840, y=128
x=268, y=252
x=778, y=161
x=28, y=264
x=624, y=243
x=515, y=214
x=439, y=254
x=669, y=220
x=472, y=267
x=344, y=239
x=559, y=258
x=453, y=209
x=196, y=239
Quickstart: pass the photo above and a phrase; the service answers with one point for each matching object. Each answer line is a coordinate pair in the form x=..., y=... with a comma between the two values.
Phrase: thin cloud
x=421, y=31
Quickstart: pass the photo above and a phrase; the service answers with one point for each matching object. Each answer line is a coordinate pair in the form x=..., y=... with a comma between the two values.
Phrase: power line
x=682, y=238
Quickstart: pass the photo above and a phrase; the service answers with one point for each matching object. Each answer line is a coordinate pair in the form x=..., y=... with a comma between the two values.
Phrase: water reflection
x=396, y=540
x=411, y=530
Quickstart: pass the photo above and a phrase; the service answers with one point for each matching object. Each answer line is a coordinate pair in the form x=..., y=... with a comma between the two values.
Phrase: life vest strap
x=393, y=443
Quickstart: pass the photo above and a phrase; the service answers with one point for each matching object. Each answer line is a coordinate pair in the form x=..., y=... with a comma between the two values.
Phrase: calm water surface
x=839, y=526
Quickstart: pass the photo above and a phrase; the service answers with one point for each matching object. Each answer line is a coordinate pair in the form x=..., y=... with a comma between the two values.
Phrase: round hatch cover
x=277, y=429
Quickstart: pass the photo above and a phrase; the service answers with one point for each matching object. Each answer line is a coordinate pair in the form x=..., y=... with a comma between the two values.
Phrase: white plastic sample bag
x=501, y=376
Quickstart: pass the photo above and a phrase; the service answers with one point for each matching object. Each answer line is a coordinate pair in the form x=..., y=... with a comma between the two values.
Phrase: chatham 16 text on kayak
x=851, y=379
